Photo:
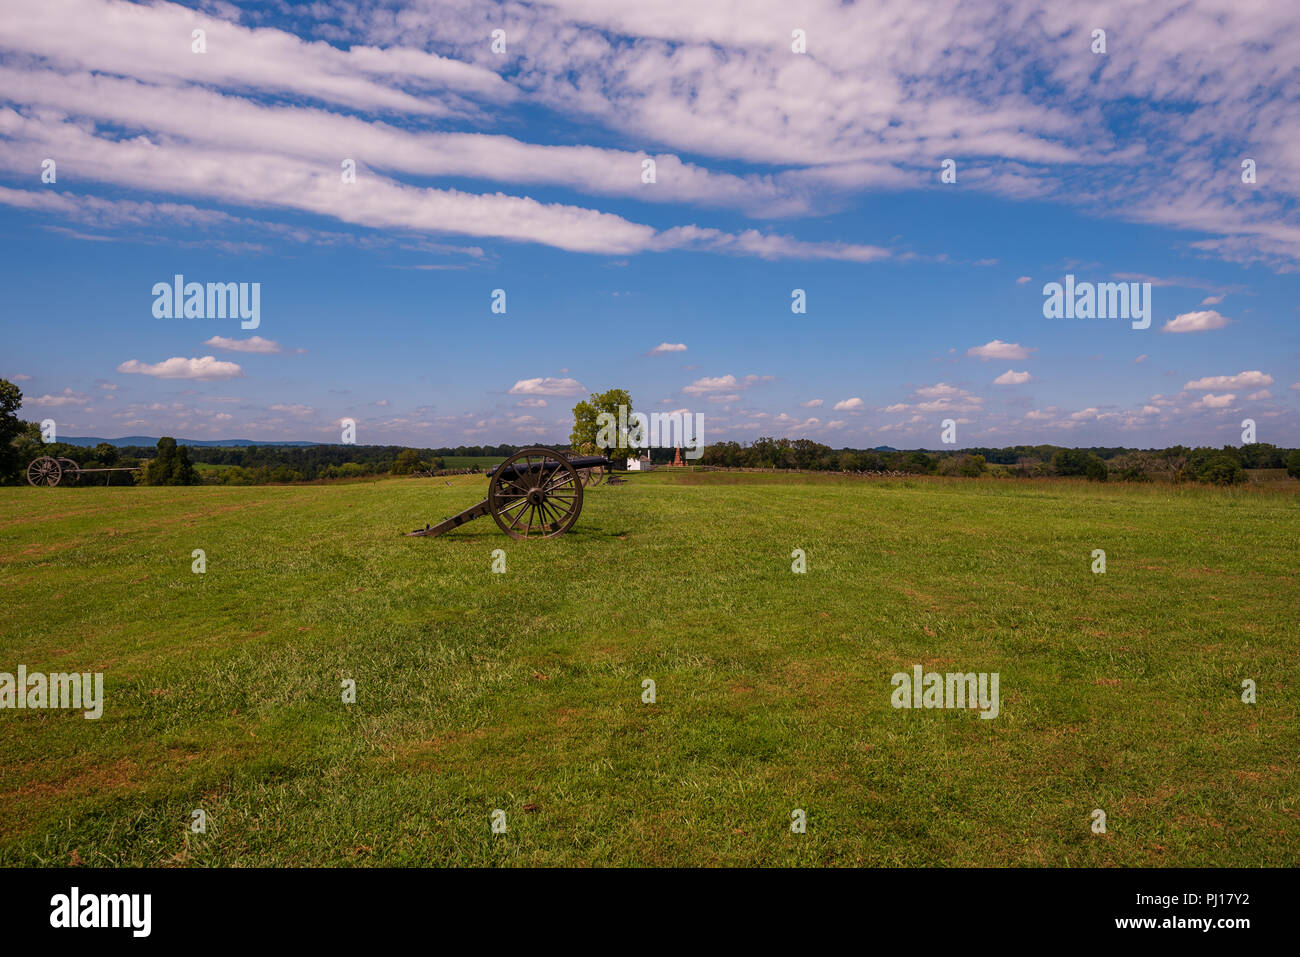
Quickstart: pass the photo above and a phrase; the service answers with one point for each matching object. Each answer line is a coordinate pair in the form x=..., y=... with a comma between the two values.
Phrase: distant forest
x=264, y=464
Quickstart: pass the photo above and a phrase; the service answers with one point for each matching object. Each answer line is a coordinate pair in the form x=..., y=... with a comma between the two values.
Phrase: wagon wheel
x=44, y=471
x=535, y=493
x=71, y=470
x=593, y=476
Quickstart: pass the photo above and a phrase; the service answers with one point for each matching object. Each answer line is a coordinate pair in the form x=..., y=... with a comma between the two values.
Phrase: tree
x=105, y=454
x=587, y=435
x=1216, y=466
x=973, y=466
x=1070, y=462
x=11, y=427
x=919, y=463
x=1293, y=464
x=407, y=461
x=171, y=466
x=1262, y=455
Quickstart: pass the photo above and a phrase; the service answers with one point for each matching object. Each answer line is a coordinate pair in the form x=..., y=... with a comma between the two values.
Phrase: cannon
x=536, y=493
x=49, y=471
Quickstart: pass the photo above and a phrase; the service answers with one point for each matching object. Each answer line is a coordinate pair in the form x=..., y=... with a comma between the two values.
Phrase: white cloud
x=1010, y=377
x=19, y=377
x=940, y=390
x=812, y=404
x=997, y=349
x=1195, y=322
x=534, y=403
x=1209, y=401
x=1022, y=280
x=1212, y=300
x=67, y=397
x=1260, y=396
x=1140, y=359
x=1241, y=380
x=664, y=347
x=251, y=344
x=725, y=383
x=177, y=367
x=849, y=405
x=547, y=386
x=293, y=409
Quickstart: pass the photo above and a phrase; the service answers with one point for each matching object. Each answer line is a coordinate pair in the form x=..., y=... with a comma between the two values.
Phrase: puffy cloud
x=849, y=405
x=1195, y=322
x=724, y=383
x=812, y=404
x=1011, y=377
x=547, y=386
x=997, y=349
x=1210, y=401
x=665, y=347
x=1242, y=380
x=177, y=367
x=66, y=398
x=939, y=390
x=535, y=403
x=251, y=344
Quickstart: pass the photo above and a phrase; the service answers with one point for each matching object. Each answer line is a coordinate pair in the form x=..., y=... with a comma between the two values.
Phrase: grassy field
x=523, y=691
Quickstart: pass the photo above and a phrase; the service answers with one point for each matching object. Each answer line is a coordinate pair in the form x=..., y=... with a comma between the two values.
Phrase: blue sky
x=774, y=170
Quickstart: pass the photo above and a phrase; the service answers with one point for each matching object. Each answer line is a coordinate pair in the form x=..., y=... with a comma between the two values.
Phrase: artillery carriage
x=535, y=493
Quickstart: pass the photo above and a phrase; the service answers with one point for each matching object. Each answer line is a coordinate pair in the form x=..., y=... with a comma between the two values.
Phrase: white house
x=638, y=465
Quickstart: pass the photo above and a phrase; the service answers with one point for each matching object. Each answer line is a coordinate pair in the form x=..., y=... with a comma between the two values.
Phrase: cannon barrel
x=577, y=461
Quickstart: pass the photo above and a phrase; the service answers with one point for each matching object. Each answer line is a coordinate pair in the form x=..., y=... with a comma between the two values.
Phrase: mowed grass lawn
x=523, y=691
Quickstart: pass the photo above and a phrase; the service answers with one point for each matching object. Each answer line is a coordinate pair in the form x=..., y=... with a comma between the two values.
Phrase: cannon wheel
x=44, y=471
x=71, y=470
x=539, y=497
x=593, y=476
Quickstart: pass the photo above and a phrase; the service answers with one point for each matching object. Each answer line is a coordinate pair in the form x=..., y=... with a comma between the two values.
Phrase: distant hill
x=89, y=440
x=884, y=448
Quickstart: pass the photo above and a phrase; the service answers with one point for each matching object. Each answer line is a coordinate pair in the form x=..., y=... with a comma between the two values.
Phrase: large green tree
x=587, y=432
x=11, y=427
x=171, y=466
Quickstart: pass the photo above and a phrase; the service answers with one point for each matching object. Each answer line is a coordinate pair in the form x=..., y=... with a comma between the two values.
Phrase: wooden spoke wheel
x=593, y=476
x=535, y=493
x=44, y=471
x=71, y=470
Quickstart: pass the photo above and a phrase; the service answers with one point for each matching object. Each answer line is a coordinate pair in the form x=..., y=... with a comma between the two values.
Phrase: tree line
x=1225, y=466
x=173, y=464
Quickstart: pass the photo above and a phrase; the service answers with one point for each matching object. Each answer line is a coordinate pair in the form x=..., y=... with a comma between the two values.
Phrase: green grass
x=522, y=691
